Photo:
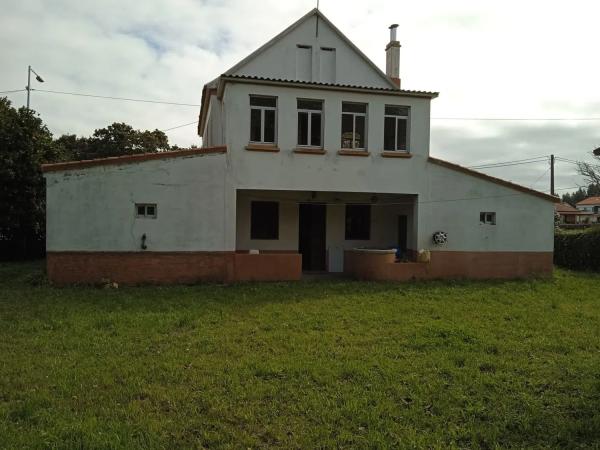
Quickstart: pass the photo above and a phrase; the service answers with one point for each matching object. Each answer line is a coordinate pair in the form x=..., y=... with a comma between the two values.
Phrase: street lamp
x=37, y=77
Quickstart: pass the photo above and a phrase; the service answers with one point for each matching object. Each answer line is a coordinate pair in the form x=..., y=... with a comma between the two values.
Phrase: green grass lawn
x=300, y=365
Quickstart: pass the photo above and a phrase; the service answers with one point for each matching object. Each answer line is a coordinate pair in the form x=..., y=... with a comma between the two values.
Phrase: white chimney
x=392, y=56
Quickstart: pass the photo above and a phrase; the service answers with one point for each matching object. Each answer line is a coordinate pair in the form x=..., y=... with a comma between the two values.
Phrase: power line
x=511, y=161
x=558, y=158
x=180, y=126
x=508, y=163
x=10, y=92
x=116, y=98
x=540, y=177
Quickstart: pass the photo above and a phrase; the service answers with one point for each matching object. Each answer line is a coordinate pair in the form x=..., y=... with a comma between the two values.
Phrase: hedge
x=578, y=251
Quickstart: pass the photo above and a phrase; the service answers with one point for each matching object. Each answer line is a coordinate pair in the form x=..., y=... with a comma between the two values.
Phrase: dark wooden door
x=311, y=239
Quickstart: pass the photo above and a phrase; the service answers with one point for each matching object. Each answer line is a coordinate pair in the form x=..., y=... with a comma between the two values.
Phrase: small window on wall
x=264, y=220
x=147, y=210
x=263, y=119
x=488, y=218
x=358, y=222
x=395, y=132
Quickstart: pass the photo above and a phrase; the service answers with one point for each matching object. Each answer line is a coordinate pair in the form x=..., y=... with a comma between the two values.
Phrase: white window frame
x=309, y=129
x=354, y=115
x=397, y=117
x=262, y=120
x=146, y=215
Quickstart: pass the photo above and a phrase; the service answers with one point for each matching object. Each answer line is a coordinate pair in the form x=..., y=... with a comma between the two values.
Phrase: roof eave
x=314, y=85
x=500, y=181
x=130, y=159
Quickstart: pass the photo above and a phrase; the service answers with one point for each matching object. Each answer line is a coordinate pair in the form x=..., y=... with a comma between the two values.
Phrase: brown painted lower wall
x=268, y=267
x=470, y=265
x=170, y=267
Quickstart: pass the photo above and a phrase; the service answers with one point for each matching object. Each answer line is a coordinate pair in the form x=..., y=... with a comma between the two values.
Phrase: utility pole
x=28, y=87
x=551, y=174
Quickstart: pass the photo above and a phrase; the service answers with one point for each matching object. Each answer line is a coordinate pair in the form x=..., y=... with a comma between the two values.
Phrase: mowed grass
x=332, y=364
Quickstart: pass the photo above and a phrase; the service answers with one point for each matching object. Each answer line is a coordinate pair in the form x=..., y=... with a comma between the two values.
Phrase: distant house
x=590, y=205
x=313, y=159
x=571, y=216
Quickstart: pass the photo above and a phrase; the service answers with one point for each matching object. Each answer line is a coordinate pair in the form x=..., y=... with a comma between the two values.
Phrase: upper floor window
x=263, y=119
x=354, y=119
x=395, y=132
x=310, y=122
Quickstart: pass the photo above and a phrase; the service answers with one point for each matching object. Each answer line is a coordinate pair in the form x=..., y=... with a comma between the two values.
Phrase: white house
x=590, y=205
x=567, y=215
x=313, y=159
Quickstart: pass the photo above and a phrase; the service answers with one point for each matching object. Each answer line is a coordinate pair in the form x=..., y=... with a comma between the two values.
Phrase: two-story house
x=590, y=205
x=313, y=159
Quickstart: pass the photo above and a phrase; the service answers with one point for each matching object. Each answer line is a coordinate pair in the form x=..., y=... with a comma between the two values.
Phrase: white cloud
x=487, y=59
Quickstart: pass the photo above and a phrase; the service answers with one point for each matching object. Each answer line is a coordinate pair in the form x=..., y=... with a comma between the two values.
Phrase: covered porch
x=315, y=231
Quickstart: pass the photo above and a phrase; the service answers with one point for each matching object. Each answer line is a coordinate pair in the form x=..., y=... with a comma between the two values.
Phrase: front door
x=311, y=239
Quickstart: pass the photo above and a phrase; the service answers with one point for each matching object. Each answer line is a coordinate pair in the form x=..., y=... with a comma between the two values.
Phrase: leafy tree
x=575, y=197
x=25, y=143
x=73, y=147
x=121, y=139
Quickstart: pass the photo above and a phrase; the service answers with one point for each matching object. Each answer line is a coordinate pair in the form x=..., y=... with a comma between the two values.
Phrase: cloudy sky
x=509, y=59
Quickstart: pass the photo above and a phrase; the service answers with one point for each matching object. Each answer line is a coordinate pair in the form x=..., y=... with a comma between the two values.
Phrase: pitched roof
x=130, y=159
x=566, y=209
x=590, y=201
x=217, y=86
x=483, y=176
x=320, y=15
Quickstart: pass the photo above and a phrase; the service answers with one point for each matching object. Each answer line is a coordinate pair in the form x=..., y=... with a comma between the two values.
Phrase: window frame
x=354, y=116
x=262, y=110
x=254, y=232
x=310, y=112
x=483, y=218
x=396, y=118
x=347, y=236
x=146, y=215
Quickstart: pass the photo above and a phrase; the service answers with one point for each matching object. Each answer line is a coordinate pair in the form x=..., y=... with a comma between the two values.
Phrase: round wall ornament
x=440, y=237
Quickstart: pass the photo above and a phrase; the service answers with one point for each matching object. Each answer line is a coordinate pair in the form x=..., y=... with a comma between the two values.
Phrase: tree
x=591, y=172
x=121, y=139
x=25, y=143
x=575, y=197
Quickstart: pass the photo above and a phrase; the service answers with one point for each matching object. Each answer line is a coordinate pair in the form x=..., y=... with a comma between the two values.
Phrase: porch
x=321, y=228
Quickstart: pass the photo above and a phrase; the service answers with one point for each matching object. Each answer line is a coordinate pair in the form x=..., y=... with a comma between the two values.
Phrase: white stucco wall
x=447, y=200
x=451, y=201
x=199, y=208
x=93, y=209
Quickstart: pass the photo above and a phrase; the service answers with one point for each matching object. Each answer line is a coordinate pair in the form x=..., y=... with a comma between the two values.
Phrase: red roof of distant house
x=590, y=201
x=566, y=209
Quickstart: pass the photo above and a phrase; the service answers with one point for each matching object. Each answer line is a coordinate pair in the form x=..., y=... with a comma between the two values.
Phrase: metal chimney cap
x=394, y=25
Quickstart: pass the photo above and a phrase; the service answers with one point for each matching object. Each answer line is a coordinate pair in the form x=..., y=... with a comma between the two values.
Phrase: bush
x=578, y=251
